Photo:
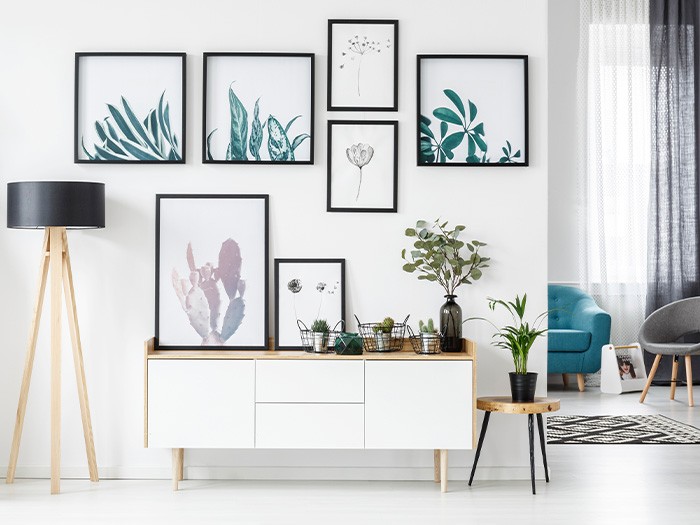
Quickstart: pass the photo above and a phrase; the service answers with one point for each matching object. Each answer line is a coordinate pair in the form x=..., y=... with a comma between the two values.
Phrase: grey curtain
x=674, y=208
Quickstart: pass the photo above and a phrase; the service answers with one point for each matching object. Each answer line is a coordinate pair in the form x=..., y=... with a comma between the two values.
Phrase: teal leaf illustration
x=447, y=115
x=451, y=142
x=87, y=153
x=138, y=151
x=299, y=139
x=278, y=145
x=472, y=110
x=209, y=155
x=105, y=154
x=239, y=127
x=256, y=132
x=426, y=130
x=138, y=127
x=289, y=124
x=121, y=123
x=454, y=97
x=100, y=131
x=443, y=129
x=479, y=129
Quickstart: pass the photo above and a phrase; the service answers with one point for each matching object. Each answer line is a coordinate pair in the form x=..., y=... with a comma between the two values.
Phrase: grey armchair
x=660, y=334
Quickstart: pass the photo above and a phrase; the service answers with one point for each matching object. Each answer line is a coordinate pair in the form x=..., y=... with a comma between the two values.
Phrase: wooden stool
x=505, y=405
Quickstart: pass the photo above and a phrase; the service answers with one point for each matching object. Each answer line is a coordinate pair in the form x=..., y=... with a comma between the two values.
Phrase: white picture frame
x=622, y=369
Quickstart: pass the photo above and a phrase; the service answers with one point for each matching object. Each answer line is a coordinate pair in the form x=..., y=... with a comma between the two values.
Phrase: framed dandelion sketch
x=363, y=65
x=307, y=290
x=362, y=165
x=129, y=107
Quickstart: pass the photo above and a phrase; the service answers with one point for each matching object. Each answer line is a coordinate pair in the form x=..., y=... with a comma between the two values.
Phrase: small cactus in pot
x=429, y=337
x=382, y=332
x=320, y=331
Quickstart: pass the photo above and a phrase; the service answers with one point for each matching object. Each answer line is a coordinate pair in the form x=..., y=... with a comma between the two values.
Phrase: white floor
x=589, y=484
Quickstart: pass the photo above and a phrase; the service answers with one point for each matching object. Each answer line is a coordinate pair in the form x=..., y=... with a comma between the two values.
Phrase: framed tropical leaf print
x=258, y=108
x=472, y=110
x=129, y=107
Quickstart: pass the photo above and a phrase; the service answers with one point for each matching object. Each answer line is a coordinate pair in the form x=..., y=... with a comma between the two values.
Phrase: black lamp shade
x=39, y=204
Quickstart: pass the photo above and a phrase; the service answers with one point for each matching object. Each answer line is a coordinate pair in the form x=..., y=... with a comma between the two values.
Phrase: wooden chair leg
x=581, y=382
x=177, y=466
x=674, y=377
x=436, y=465
x=443, y=470
x=565, y=379
x=689, y=379
x=657, y=360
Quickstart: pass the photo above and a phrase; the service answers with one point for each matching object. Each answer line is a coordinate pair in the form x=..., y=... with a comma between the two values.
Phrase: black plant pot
x=522, y=387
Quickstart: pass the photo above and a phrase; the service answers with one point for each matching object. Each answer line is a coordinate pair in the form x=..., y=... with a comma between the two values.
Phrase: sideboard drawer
x=297, y=381
x=309, y=425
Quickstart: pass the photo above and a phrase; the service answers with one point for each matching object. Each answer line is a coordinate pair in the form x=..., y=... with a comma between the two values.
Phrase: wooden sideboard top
x=406, y=354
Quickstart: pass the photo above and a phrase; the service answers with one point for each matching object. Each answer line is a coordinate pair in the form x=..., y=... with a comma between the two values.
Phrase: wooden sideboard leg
x=443, y=470
x=181, y=474
x=177, y=466
x=436, y=465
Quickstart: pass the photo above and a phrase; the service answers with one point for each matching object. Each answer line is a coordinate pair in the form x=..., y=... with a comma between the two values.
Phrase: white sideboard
x=295, y=400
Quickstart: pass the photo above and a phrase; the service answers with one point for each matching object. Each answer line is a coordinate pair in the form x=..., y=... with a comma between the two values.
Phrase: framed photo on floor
x=129, y=107
x=258, y=108
x=211, y=272
x=362, y=166
x=472, y=110
x=622, y=369
x=363, y=65
x=306, y=289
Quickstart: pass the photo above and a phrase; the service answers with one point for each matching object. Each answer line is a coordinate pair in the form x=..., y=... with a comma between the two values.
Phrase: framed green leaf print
x=258, y=108
x=472, y=110
x=129, y=107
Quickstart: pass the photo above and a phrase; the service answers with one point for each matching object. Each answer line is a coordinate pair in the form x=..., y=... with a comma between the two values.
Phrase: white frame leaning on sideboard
x=273, y=388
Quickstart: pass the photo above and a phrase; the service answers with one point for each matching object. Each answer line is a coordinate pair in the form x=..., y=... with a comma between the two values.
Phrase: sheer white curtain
x=614, y=158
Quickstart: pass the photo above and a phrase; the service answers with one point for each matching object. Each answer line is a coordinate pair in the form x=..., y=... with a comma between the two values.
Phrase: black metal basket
x=425, y=343
x=379, y=341
x=319, y=342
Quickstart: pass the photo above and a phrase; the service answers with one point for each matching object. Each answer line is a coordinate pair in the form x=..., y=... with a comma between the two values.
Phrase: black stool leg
x=540, y=427
x=532, y=450
x=481, y=442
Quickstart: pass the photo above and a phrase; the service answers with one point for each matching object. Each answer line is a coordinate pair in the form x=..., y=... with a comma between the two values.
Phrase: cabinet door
x=418, y=404
x=201, y=403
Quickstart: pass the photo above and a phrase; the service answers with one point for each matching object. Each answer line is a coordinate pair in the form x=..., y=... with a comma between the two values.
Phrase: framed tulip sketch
x=362, y=165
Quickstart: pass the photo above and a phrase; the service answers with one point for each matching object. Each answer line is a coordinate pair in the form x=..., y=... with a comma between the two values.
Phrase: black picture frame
x=77, y=142
x=331, y=106
x=283, y=261
x=395, y=171
x=212, y=55
x=264, y=343
x=493, y=86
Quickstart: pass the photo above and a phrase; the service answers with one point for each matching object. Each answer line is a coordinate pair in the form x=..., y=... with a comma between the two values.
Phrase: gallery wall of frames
x=278, y=151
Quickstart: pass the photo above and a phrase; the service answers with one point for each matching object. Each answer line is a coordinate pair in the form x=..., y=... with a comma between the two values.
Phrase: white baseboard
x=286, y=473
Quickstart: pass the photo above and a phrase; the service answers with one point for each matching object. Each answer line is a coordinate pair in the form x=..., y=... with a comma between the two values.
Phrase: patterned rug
x=619, y=430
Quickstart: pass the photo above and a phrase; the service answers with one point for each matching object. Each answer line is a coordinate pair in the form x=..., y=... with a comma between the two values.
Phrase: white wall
x=114, y=268
x=563, y=34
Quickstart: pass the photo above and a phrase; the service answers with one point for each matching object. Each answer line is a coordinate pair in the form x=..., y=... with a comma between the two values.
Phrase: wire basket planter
x=425, y=342
x=376, y=340
x=319, y=342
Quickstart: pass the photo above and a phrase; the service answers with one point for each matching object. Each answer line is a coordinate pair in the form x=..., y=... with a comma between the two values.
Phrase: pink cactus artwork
x=200, y=294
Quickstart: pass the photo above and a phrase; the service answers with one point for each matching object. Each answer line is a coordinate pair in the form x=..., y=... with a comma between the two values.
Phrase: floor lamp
x=55, y=207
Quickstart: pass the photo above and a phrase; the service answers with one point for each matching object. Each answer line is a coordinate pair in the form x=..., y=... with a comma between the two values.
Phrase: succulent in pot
x=429, y=337
x=382, y=333
x=320, y=329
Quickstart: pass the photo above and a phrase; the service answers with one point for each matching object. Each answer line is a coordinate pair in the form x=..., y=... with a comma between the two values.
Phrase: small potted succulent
x=429, y=337
x=518, y=338
x=382, y=333
x=319, y=331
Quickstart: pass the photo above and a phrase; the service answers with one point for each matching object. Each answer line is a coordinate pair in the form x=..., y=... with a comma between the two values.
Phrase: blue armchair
x=578, y=329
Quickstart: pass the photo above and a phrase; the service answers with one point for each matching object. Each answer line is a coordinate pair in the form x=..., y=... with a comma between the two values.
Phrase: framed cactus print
x=129, y=107
x=211, y=272
x=363, y=65
x=472, y=110
x=362, y=166
x=258, y=108
x=307, y=290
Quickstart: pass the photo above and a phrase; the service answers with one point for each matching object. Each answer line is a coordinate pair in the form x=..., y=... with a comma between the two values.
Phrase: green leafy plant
x=519, y=337
x=279, y=146
x=320, y=325
x=384, y=327
x=427, y=328
x=123, y=136
x=437, y=256
x=441, y=150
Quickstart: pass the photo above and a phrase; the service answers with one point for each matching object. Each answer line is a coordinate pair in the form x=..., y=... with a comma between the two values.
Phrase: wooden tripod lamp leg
x=78, y=360
x=56, y=271
x=29, y=361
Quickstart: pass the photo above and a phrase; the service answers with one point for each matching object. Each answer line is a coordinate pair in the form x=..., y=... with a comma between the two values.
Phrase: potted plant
x=518, y=339
x=438, y=257
x=319, y=330
x=382, y=333
x=429, y=337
